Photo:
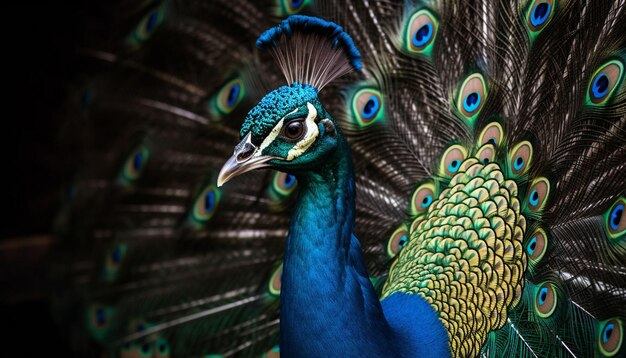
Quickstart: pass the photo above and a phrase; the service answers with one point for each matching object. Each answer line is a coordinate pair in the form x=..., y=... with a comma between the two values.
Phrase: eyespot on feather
x=546, y=299
x=367, y=107
x=147, y=26
x=284, y=183
x=398, y=239
x=99, y=316
x=146, y=347
x=290, y=7
x=275, y=283
x=472, y=96
x=99, y=320
x=205, y=205
x=604, y=82
x=537, y=195
x=113, y=261
x=520, y=158
x=610, y=336
x=615, y=219
x=227, y=98
x=141, y=349
x=420, y=32
x=451, y=160
x=162, y=348
x=540, y=13
x=492, y=134
x=281, y=190
x=486, y=154
x=422, y=198
x=134, y=165
x=537, y=246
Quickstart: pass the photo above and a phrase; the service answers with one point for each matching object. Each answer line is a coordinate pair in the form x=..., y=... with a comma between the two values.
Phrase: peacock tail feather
x=489, y=149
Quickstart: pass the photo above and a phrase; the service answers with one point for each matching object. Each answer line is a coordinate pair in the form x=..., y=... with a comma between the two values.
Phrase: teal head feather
x=289, y=129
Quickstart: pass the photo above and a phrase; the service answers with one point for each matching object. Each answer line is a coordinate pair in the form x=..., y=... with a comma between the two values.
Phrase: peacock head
x=288, y=130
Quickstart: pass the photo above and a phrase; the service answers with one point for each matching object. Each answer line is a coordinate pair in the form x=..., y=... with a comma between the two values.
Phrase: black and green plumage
x=462, y=163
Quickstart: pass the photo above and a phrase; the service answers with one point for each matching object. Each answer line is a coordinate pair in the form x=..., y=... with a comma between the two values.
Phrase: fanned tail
x=155, y=259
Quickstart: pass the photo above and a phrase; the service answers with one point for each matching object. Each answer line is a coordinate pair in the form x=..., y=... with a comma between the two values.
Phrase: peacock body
x=447, y=179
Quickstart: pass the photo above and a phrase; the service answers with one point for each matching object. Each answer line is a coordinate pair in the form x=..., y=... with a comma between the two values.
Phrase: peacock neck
x=327, y=301
x=328, y=304
x=323, y=221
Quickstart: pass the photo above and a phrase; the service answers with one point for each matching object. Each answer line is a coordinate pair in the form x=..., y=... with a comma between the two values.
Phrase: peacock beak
x=246, y=157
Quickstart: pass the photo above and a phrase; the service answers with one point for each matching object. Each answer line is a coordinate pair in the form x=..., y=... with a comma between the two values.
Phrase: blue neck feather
x=328, y=305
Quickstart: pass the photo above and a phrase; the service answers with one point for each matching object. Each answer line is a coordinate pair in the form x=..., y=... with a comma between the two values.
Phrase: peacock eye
x=275, y=281
x=420, y=32
x=537, y=246
x=205, y=205
x=281, y=190
x=100, y=317
x=147, y=26
x=99, y=320
x=284, y=183
x=294, y=130
x=146, y=348
x=423, y=197
x=227, y=98
x=491, y=134
x=290, y=7
x=367, y=107
x=545, y=300
x=163, y=347
x=371, y=107
x=486, y=154
x=151, y=21
x=604, y=82
x=113, y=261
x=610, y=336
x=295, y=4
x=398, y=239
x=539, y=14
x=134, y=165
x=538, y=194
x=452, y=160
x=472, y=96
x=616, y=219
x=520, y=158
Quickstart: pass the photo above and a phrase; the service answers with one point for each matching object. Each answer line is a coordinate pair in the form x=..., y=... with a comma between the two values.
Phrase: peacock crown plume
x=310, y=50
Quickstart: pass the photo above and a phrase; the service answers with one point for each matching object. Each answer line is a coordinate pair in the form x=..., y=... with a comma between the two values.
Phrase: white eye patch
x=274, y=133
x=312, y=131
x=311, y=134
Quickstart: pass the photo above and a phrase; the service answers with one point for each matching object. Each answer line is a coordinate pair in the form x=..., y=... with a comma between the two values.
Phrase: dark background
x=38, y=50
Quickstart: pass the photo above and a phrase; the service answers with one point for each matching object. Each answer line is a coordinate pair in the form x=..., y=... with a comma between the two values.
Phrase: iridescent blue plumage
x=323, y=268
x=470, y=173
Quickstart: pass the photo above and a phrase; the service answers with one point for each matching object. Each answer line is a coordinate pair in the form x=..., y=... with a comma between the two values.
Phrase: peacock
x=362, y=178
